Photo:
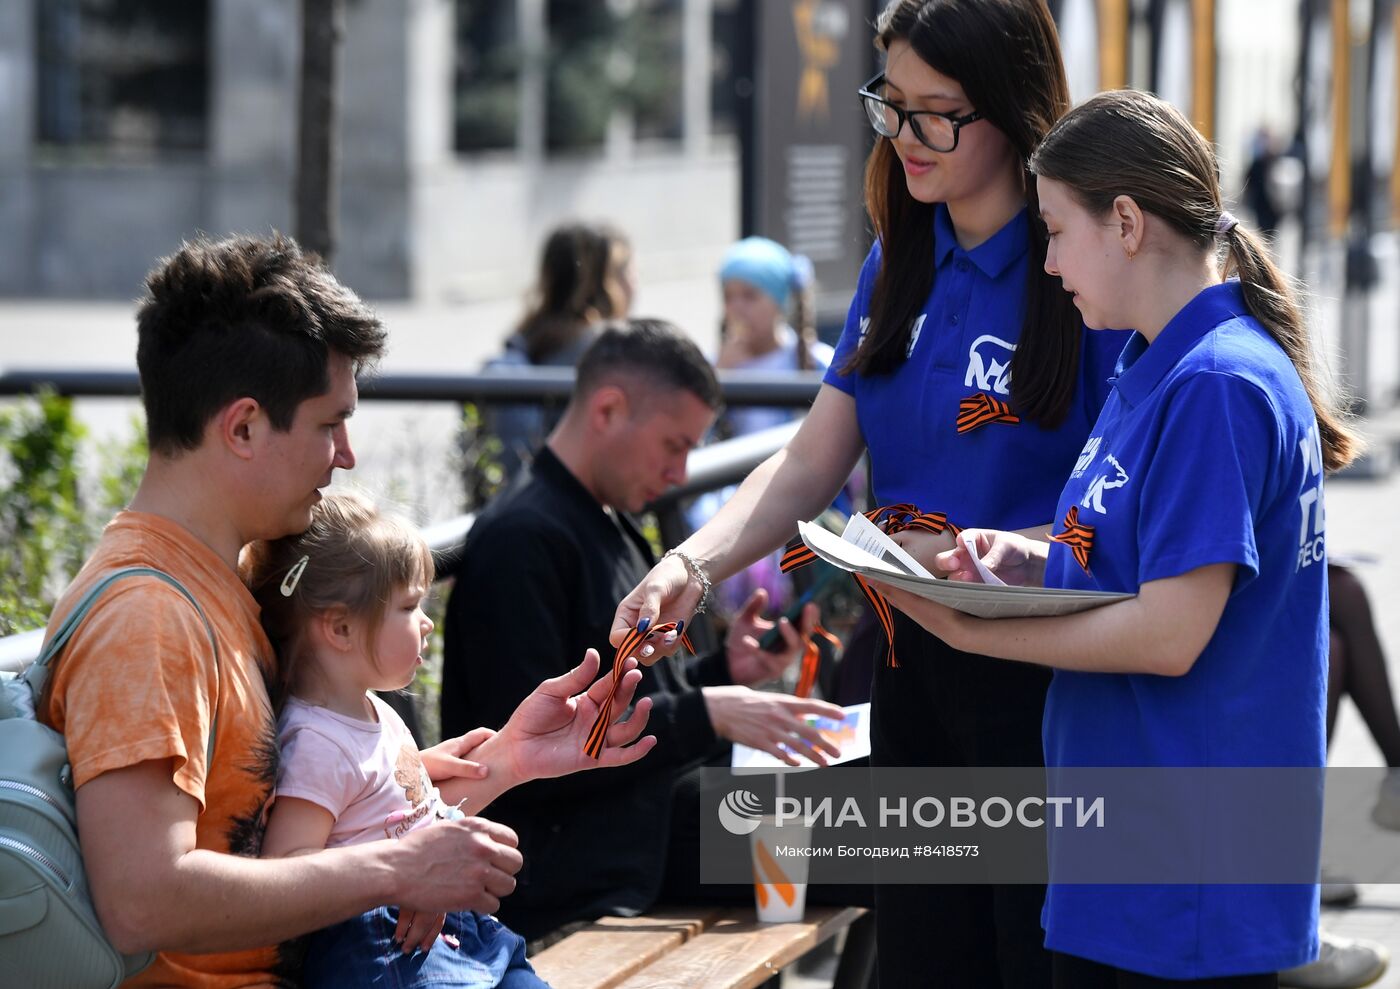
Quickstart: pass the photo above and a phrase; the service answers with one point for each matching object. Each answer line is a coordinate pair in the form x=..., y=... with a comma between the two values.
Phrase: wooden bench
x=718, y=948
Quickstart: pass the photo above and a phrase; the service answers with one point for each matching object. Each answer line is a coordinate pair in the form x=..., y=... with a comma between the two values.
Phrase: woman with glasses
x=967, y=374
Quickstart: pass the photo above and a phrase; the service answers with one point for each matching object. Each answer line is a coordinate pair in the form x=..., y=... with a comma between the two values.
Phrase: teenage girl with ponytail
x=1199, y=491
x=970, y=379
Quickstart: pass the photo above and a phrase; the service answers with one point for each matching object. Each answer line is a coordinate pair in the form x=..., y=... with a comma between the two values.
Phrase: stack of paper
x=863, y=549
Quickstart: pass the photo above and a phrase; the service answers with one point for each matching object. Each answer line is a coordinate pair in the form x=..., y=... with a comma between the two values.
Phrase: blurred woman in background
x=587, y=275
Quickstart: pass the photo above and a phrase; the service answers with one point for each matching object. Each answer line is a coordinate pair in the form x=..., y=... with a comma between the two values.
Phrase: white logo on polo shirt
x=1086, y=456
x=1093, y=497
x=989, y=364
x=1313, y=524
x=914, y=333
x=864, y=329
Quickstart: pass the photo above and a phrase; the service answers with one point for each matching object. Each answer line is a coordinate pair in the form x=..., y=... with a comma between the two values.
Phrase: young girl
x=761, y=281
x=970, y=379
x=342, y=604
x=1200, y=491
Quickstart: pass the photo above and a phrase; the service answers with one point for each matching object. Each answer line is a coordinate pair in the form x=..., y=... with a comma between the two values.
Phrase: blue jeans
x=361, y=952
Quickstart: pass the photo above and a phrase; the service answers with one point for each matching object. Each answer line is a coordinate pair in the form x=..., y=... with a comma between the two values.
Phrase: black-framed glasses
x=935, y=131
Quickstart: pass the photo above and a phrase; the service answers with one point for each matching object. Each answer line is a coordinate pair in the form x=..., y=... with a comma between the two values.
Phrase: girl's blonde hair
x=357, y=558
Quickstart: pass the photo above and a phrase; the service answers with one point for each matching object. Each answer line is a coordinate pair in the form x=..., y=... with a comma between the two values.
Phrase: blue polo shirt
x=998, y=473
x=1206, y=452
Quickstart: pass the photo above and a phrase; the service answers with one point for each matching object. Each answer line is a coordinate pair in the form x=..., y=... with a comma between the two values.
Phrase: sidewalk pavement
x=1362, y=517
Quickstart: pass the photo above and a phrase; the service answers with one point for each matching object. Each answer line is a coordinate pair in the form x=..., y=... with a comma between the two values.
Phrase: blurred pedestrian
x=587, y=275
x=1259, y=186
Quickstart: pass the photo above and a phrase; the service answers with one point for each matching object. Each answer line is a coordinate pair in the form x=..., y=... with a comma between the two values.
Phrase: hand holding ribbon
x=545, y=735
x=624, y=664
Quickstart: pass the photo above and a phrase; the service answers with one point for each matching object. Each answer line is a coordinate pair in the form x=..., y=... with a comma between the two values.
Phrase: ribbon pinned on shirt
x=593, y=745
x=1078, y=536
x=981, y=410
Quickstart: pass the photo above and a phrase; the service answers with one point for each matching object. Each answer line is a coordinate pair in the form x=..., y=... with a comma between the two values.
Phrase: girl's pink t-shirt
x=367, y=775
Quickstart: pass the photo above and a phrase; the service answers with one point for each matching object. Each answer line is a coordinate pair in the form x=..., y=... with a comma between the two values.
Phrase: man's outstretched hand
x=545, y=735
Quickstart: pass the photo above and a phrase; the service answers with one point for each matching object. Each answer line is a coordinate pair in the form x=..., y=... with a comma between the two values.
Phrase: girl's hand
x=448, y=759
x=668, y=593
x=418, y=931
x=1013, y=557
x=925, y=546
x=545, y=735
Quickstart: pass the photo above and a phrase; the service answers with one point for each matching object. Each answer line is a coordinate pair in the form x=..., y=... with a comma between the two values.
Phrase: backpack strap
x=38, y=672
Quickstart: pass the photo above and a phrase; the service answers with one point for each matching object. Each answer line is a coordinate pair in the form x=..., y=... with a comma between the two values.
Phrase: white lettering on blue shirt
x=1313, y=522
x=989, y=364
x=1093, y=497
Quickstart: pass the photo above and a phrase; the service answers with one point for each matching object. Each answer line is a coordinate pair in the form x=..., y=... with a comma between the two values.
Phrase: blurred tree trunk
x=322, y=32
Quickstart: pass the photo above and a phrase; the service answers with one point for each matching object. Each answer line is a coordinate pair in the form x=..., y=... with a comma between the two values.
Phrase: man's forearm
x=213, y=902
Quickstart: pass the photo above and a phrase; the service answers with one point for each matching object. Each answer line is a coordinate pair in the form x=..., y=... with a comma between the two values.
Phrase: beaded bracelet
x=697, y=572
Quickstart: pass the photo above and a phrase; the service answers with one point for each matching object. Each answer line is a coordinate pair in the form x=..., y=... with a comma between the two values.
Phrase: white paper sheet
x=851, y=735
x=860, y=531
x=982, y=600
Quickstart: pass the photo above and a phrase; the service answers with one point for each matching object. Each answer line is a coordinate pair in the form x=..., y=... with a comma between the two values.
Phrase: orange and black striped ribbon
x=812, y=659
x=1077, y=536
x=593, y=745
x=884, y=614
x=890, y=519
x=981, y=409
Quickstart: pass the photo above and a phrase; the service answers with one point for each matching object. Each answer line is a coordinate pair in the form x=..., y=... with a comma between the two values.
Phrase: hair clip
x=289, y=582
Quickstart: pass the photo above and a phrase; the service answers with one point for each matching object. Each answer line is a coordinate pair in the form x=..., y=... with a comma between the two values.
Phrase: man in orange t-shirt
x=248, y=351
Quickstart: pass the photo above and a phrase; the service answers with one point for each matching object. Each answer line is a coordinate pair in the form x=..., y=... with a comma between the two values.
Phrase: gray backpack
x=49, y=934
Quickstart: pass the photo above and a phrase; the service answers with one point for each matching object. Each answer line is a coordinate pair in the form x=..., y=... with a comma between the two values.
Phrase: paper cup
x=779, y=879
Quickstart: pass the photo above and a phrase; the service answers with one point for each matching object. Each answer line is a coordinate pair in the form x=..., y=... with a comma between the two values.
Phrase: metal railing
x=707, y=468
x=789, y=389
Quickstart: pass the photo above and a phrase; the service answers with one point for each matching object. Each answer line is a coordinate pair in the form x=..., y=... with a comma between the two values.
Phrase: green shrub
x=49, y=519
x=43, y=537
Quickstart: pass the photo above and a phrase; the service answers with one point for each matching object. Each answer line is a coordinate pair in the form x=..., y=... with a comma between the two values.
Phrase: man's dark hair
x=651, y=351
x=242, y=317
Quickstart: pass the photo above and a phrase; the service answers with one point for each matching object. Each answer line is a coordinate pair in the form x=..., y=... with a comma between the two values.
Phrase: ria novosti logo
x=740, y=812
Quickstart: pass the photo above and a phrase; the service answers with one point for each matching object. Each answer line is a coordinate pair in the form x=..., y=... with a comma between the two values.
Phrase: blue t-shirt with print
x=997, y=474
x=1207, y=452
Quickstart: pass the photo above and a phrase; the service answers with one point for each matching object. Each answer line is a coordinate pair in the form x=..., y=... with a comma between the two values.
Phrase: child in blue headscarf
x=763, y=285
x=769, y=325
